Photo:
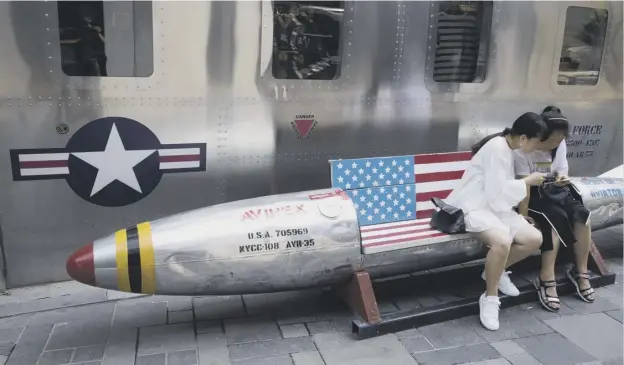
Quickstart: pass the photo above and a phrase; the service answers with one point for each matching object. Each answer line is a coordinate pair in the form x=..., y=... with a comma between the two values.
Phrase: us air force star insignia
x=110, y=161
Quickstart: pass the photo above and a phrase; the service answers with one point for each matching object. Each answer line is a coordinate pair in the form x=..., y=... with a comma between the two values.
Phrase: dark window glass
x=106, y=38
x=462, y=39
x=583, y=44
x=306, y=39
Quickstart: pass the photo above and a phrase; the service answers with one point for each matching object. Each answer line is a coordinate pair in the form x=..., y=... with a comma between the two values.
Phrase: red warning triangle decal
x=303, y=127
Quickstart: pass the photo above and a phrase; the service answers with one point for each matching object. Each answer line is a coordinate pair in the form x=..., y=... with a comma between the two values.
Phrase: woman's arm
x=502, y=191
x=522, y=169
x=560, y=163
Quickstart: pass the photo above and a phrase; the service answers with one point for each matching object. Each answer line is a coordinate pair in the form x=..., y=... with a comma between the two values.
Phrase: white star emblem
x=339, y=165
x=114, y=163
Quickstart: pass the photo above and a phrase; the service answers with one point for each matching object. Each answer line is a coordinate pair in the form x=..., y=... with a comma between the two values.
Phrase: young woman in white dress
x=488, y=193
x=564, y=221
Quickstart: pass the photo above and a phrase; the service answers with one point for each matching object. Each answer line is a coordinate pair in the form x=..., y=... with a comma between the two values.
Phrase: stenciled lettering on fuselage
x=276, y=240
x=273, y=212
x=111, y=161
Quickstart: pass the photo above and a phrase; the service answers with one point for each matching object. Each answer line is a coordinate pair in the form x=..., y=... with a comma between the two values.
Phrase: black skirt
x=558, y=216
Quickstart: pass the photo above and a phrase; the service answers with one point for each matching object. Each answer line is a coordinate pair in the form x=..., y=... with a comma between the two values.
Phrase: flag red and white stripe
x=43, y=164
x=436, y=175
x=179, y=158
x=398, y=235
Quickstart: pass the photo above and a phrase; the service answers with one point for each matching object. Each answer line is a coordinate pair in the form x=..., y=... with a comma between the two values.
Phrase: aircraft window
x=583, y=43
x=462, y=41
x=106, y=38
x=306, y=39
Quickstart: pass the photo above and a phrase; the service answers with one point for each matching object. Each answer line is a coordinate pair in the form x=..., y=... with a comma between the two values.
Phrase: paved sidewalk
x=69, y=323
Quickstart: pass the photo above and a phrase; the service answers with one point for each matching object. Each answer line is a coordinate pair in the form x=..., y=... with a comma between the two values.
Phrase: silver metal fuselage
x=212, y=83
x=246, y=247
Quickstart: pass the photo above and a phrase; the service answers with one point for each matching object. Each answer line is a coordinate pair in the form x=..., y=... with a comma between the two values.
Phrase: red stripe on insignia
x=423, y=197
x=424, y=213
x=442, y=157
x=180, y=158
x=42, y=164
x=438, y=176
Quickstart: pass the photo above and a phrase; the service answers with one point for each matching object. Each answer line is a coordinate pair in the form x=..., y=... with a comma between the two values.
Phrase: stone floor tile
x=3, y=359
x=15, y=321
x=271, y=360
x=523, y=359
x=6, y=348
x=214, y=307
x=167, y=338
x=56, y=357
x=30, y=345
x=514, y=322
x=499, y=361
x=450, y=334
x=386, y=306
x=180, y=317
x=121, y=346
x=270, y=348
x=416, y=344
x=407, y=303
x=175, y=304
x=345, y=349
x=457, y=355
x=30, y=306
x=101, y=312
x=294, y=330
x=619, y=361
x=507, y=347
x=599, y=305
x=115, y=295
x=97, y=362
x=610, y=296
x=213, y=327
x=90, y=353
x=78, y=334
x=155, y=359
x=186, y=357
x=412, y=332
x=616, y=314
x=307, y=358
x=597, y=334
x=132, y=314
x=248, y=329
x=212, y=349
x=10, y=334
x=553, y=349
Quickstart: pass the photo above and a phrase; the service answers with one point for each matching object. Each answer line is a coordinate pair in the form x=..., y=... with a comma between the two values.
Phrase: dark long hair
x=528, y=124
x=555, y=121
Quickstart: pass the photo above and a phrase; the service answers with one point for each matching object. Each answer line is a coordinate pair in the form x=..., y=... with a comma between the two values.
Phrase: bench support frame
x=360, y=296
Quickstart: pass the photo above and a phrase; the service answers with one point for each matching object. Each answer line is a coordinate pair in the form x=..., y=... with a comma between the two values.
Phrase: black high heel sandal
x=546, y=300
x=586, y=295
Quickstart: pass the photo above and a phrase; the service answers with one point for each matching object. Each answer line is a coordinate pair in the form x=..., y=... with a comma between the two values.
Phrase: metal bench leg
x=596, y=262
x=360, y=297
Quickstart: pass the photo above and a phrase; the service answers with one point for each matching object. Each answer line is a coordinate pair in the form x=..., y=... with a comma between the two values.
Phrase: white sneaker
x=488, y=312
x=505, y=285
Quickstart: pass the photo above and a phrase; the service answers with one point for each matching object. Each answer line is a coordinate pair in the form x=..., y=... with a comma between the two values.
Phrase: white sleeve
x=560, y=163
x=502, y=192
x=521, y=164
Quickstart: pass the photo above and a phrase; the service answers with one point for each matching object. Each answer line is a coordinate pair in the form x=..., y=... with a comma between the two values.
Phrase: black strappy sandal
x=544, y=298
x=587, y=295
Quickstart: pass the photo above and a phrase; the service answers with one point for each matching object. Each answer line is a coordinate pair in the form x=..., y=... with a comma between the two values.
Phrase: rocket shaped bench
x=375, y=217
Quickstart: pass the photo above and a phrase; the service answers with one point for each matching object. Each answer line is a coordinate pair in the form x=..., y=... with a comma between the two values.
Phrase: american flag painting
x=392, y=195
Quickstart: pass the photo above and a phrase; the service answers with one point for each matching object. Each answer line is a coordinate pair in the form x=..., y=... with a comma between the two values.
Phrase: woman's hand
x=562, y=180
x=534, y=179
x=530, y=220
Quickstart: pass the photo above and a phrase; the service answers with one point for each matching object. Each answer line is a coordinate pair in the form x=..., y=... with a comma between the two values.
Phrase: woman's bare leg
x=581, y=250
x=499, y=243
x=526, y=241
x=547, y=271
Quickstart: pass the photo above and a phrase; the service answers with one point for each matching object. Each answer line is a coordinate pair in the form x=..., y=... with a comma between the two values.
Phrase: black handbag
x=447, y=219
x=555, y=193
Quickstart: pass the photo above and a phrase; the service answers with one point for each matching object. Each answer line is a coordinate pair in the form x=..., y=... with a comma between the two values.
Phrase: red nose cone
x=80, y=265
